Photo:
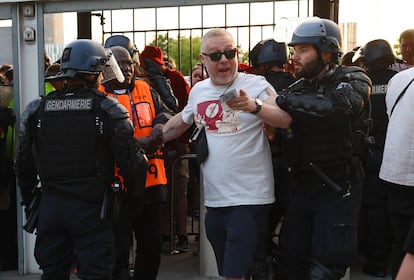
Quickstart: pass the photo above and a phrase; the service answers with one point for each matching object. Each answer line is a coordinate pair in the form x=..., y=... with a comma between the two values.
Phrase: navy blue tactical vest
x=72, y=140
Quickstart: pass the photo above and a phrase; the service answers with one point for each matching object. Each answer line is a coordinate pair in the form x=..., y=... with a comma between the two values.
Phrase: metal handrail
x=190, y=156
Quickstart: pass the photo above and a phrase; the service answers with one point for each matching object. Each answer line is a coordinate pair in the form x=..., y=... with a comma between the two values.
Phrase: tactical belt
x=319, y=177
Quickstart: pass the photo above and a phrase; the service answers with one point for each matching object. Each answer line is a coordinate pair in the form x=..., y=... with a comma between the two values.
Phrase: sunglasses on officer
x=216, y=56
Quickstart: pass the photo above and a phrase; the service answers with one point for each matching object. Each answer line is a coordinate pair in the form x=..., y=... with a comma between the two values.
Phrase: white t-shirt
x=399, y=66
x=238, y=169
x=398, y=161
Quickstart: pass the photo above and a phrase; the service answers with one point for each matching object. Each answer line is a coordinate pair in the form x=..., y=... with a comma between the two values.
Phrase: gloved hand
x=311, y=104
x=157, y=136
x=342, y=106
x=281, y=101
x=151, y=143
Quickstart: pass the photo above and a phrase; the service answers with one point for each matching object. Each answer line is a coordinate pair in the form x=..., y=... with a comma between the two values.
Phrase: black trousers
x=147, y=231
x=401, y=216
x=374, y=211
x=123, y=238
x=320, y=225
x=71, y=230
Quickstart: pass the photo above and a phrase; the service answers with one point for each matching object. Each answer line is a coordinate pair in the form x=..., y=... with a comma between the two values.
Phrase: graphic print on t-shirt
x=218, y=119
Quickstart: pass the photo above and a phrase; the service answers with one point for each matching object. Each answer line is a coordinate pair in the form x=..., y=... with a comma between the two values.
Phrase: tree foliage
x=185, y=51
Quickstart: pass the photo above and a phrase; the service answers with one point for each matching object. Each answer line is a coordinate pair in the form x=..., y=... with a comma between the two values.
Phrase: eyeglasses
x=216, y=56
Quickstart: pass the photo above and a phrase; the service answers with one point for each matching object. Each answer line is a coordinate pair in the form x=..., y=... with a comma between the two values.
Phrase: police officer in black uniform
x=319, y=233
x=71, y=140
x=376, y=56
x=270, y=58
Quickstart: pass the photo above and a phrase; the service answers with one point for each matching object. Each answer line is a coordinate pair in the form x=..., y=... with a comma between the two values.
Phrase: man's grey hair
x=215, y=32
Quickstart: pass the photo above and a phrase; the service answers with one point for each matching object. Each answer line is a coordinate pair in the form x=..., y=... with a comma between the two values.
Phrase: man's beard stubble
x=311, y=69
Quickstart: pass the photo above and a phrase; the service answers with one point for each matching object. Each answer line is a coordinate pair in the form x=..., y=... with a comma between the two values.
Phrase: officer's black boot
x=319, y=272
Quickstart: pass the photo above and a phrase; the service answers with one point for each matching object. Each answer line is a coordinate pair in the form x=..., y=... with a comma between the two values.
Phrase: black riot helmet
x=123, y=41
x=82, y=56
x=323, y=33
x=269, y=52
x=377, y=52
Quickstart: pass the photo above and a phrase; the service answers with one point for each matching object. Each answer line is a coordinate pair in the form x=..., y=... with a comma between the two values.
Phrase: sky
x=378, y=19
x=384, y=19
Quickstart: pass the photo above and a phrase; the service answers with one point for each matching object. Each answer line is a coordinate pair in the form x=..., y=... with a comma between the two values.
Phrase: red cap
x=243, y=67
x=154, y=53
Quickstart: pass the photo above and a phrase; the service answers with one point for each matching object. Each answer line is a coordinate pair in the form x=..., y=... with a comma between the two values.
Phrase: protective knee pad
x=317, y=271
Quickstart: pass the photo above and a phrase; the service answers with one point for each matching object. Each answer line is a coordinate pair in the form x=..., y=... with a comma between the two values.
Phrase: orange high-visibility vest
x=141, y=110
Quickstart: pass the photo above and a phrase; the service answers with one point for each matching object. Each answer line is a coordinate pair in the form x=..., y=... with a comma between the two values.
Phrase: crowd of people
x=300, y=146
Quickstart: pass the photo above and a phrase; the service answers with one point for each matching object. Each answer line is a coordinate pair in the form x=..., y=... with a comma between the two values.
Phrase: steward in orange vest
x=148, y=115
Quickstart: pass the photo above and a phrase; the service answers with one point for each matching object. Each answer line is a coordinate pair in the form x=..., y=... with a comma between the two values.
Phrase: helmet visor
x=135, y=57
x=111, y=70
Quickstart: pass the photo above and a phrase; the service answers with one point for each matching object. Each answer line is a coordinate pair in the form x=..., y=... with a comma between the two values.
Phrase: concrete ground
x=186, y=266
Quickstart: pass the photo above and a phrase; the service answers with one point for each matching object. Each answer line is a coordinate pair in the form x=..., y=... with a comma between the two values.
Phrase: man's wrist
x=259, y=104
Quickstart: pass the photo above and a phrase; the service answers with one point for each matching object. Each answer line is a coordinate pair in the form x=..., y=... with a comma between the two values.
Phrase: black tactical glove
x=316, y=105
x=151, y=143
x=342, y=106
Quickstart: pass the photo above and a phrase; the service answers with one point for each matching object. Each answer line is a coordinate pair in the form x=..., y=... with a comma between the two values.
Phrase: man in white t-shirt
x=397, y=168
x=238, y=175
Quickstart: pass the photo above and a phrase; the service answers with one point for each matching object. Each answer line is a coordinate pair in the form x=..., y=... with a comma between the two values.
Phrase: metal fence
x=178, y=30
